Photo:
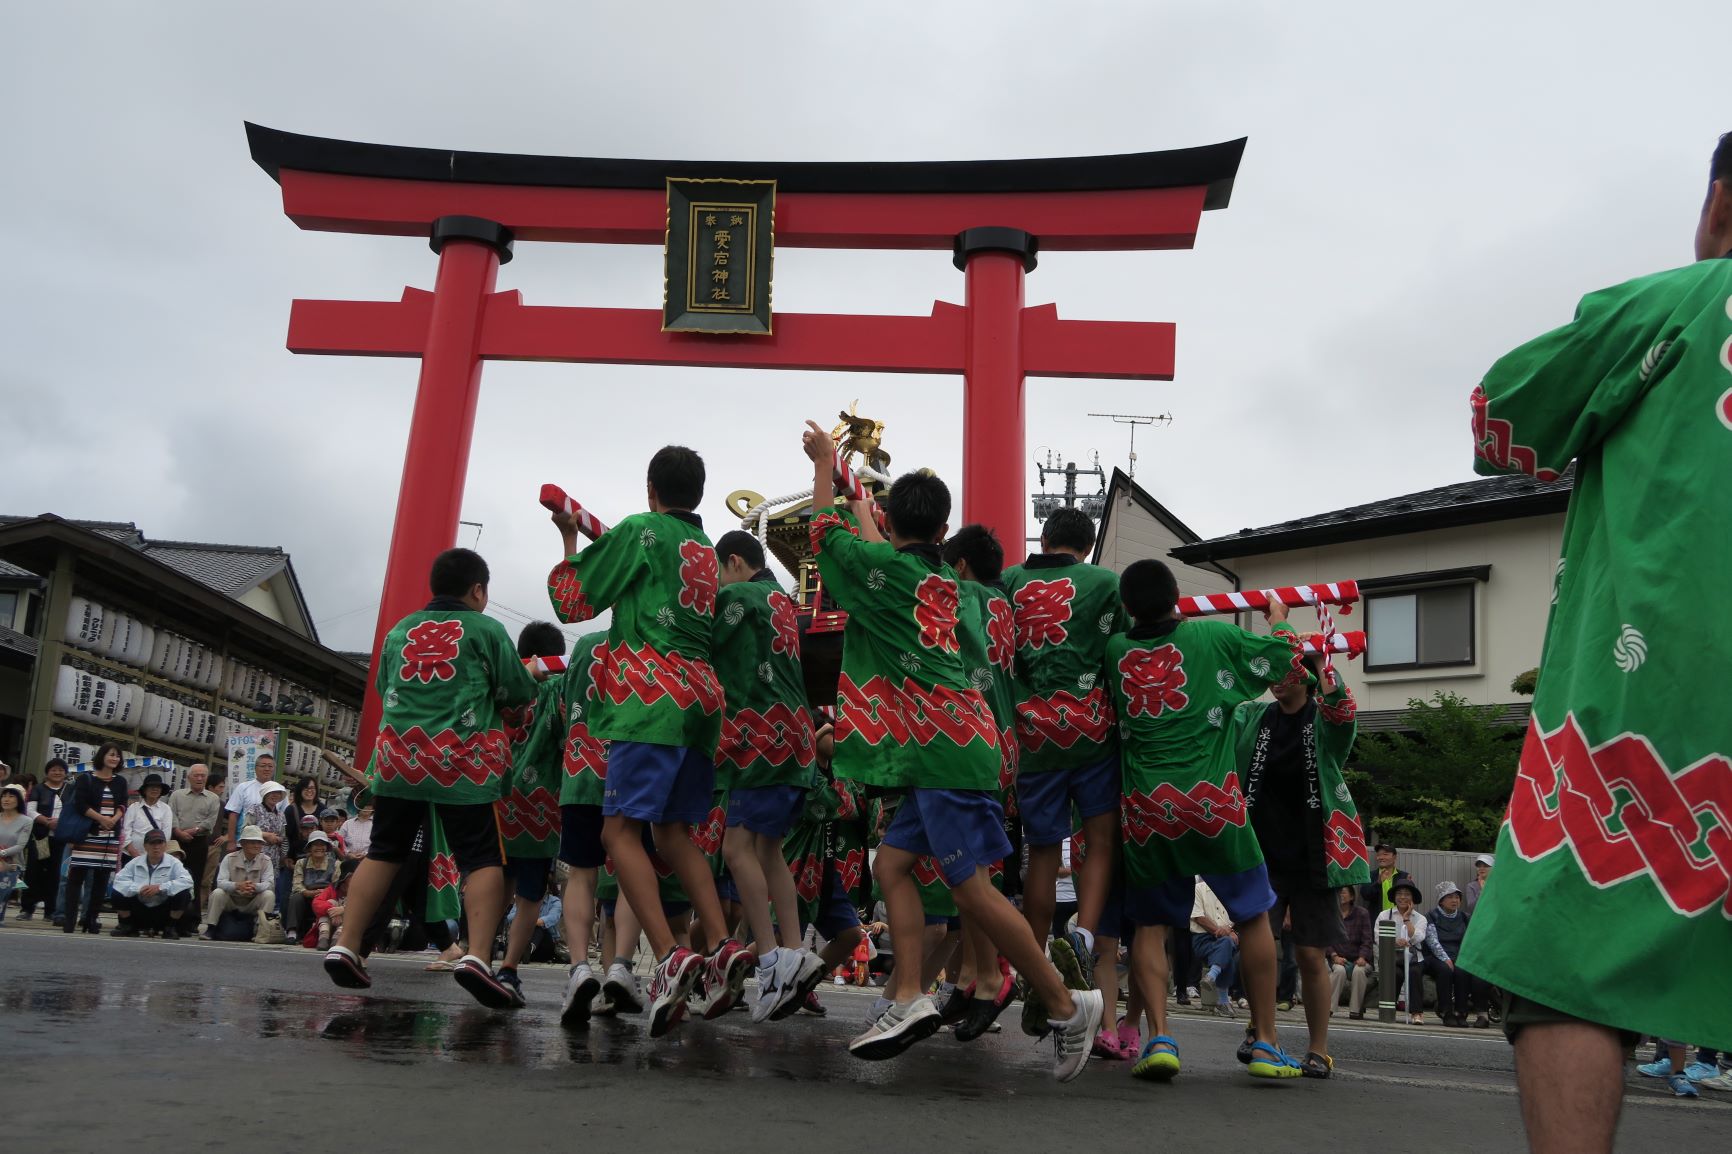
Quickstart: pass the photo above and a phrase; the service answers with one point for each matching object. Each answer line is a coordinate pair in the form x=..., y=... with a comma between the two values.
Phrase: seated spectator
x=1216, y=945
x=15, y=831
x=328, y=911
x=1351, y=960
x=1459, y=993
x=358, y=831
x=1481, y=870
x=331, y=825
x=544, y=939
x=312, y=876
x=151, y=812
x=152, y=891
x=1410, y=931
x=245, y=882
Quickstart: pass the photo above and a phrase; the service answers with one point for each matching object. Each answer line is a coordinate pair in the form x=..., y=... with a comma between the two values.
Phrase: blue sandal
x=1157, y=1064
x=1272, y=1062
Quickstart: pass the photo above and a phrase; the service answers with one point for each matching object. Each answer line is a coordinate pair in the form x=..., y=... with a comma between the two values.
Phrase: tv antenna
x=1133, y=420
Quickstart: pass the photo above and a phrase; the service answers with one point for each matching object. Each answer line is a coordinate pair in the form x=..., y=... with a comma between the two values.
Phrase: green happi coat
x=529, y=811
x=828, y=835
x=906, y=713
x=767, y=737
x=1619, y=819
x=1065, y=611
x=1175, y=688
x=583, y=758
x=657, y=572
x=1335, y=849
x=444, y=675
x=986, y=631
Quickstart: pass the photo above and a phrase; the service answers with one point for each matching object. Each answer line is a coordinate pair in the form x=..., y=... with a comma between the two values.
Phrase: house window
x=8, y=606
x=1419, y=628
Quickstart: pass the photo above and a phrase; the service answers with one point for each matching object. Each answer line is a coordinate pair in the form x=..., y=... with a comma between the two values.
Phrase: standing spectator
x=271, y=816
x=15, y=830
x=1410, y=935
x=303, y=815
x=149, y=812
x=244, y=795
x=44, y=807
x=313, y=875
x=195, y=811
x=219, y=785
x=358, y=830
x=1216, y=944
x=153, y=891
x=1458, y=992
x=244, y=882
x=1064, y=908
x=1375, y=894
x=98, y=797
x=1350, y=961
x=1481, y=870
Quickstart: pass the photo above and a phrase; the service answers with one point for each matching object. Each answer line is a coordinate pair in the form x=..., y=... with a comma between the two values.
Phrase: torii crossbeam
x=993, y=216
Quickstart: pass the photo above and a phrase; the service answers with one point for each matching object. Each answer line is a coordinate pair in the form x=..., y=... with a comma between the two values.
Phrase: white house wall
x=1510, y=607
x=1131, y=533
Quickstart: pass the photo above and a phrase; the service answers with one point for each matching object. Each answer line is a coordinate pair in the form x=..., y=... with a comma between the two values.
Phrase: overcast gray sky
x=1423, y=189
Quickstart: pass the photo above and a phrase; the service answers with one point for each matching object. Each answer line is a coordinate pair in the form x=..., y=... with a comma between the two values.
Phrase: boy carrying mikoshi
x=529, y=811
x=765, y=761
x=1175, y=684
x=441, y=758
x=907, y=718
x=1065, y=610
x=659, y=706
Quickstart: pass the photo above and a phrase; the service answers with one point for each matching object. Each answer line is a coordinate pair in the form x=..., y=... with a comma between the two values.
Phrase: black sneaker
x=510, y=980
x=171, y=934
x=955, y=1005
x=483, y=985
x=983, y=1012
x=1244, y=1052
x=813, y=1006
x=123, y=931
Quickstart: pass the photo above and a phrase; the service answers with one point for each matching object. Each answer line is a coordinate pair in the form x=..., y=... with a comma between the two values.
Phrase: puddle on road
x=399, y=1032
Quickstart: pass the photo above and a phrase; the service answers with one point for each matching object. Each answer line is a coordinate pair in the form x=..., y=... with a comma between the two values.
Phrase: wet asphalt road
x=151, y=1045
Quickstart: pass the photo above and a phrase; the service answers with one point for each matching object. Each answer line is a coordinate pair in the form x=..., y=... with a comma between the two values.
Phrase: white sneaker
x=622, y=991
x=776, y=984
x=900, y=1026
x=581, y=988
x=1072, y=1038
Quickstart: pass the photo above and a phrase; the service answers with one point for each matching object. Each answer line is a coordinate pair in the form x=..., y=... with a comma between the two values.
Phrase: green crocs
x=1272, y=1062
x=1159, y=1061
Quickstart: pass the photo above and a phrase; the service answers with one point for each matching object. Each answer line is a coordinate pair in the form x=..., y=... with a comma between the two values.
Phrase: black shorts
x=528, y=876
x=1519, y=1012
x=580, y=836
x=1315, y=913
x=472, y=831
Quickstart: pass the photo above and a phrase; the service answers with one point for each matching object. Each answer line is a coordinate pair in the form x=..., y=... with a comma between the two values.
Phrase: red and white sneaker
x=725, y=971
x=669, y=986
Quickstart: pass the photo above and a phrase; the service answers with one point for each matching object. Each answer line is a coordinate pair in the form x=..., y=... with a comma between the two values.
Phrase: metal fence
x=1431, y=866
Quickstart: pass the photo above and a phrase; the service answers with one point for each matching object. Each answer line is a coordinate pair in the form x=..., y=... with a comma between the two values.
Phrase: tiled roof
x=359, y=657
x=7, y=569
x=114, y=530
x=14, y=640
x=230, y=569
x=1465, y=503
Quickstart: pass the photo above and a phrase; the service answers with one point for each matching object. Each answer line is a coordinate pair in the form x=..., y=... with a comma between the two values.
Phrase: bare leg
x=1577, y=1114
x=578, y=912
x=894, y=870
x=1107, y=974
x=840, y=948
x=1149, y=965
x=522, y=929
x=933, y=954
x=1040, y=891
x=1318, y=990
x=998, y=919
x=779, y=881
x=740, y=851
x=627, y=931
x=674, y=844
x=372, y=882
x=484, y=906
x=1095, y=879
x=1257, y=965
x=979, y=962
x=638, y=886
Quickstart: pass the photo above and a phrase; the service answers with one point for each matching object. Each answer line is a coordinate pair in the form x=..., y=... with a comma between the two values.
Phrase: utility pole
x=1133, y=420
x=1045, y=503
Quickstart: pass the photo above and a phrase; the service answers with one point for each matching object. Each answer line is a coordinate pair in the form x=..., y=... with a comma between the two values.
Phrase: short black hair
x=456, y=571
x=54, y=761
x=918, y=506
x=541, y=639
x=677, y=475
x=1149, y=591
x=1720, y=168
x=1068, y=528
x=739, y=543
x=977, y=545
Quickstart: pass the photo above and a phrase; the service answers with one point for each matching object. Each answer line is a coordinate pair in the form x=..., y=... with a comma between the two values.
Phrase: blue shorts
x=960, y=829
x=528, y=876
x=836, y=912
x=770, y=810
x=580, y=837
x=1245, y=894
x=1044, y=799
x=660, y=784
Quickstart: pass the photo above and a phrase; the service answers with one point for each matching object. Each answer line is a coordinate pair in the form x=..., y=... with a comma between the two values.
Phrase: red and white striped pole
x=553, y=498
x=1342, y=593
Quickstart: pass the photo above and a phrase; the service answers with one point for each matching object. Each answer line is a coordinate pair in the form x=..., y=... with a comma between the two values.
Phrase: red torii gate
x=993, y=216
